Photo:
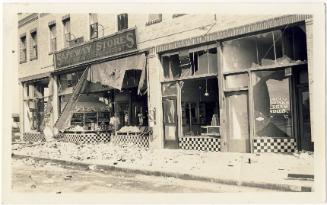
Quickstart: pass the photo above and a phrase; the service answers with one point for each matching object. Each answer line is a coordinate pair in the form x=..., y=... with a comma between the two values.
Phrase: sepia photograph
x=163, y=101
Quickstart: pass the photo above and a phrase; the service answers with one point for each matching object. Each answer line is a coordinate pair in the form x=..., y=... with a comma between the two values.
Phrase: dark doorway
x=302, y=102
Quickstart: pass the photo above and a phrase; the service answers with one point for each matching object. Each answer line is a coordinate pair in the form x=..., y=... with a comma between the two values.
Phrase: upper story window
x=93, y=25
x=23, y=54
x=33, y=48
x=67, y=35
x=122, y=21
x=154, y=18
x=53, y=37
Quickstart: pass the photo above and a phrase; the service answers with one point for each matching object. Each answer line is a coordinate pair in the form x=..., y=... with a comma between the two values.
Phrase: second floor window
x=33, y=49
x=22, y=55
x=66, y=24
x=122, y=21
x=53, y=38
x=93, y=25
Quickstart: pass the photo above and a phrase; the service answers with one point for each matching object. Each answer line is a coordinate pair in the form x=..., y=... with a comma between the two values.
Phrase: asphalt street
x=45, y=177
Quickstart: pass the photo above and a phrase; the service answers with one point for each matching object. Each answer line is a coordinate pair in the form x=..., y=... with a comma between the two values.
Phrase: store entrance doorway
x=303, y=110
x=170, y=122
x=238, y=123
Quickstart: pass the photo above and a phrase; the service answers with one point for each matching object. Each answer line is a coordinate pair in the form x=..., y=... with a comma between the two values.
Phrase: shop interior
x=102, y=108
x=200, y=110
x=195, y=71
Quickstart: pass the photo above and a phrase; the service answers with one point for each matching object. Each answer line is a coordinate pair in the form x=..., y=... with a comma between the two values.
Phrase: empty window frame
x=33, y=45
x=22, y=53
x=122, y=21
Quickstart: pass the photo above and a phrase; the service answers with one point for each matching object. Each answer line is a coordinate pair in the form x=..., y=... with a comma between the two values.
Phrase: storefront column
x=55, y=99
x=155, y=101
x=179, y=108
x=21, y=110
x=222, y=101
x=27, y=90
x=309, y=39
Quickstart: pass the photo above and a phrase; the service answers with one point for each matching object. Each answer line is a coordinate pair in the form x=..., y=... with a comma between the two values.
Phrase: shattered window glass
x=281, y=47
x=272, y=109
x=240, y=54
x=169, y=89
x=265, y=45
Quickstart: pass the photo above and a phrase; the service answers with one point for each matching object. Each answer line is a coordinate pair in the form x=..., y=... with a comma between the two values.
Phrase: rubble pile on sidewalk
x=82, y=152
x=111, y=154
x=272, y=167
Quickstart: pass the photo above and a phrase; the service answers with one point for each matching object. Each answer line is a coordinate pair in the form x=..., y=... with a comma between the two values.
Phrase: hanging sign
x=104, y=47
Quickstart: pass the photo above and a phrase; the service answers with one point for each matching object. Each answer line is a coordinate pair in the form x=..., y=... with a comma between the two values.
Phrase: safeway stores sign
x=104, y=47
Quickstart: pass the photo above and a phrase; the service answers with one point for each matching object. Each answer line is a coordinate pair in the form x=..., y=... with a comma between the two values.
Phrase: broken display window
x=272, y=109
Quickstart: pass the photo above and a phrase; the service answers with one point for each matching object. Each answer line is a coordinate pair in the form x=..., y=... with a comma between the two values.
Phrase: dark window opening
x=122, y=20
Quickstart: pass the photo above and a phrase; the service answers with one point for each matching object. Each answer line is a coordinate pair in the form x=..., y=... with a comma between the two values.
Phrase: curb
x=85, y=166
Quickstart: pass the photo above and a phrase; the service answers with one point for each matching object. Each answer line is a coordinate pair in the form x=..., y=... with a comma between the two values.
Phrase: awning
x=112, y=73
x=63, y=121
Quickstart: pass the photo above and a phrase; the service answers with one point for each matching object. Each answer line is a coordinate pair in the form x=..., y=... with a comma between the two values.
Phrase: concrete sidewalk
x=267, y=170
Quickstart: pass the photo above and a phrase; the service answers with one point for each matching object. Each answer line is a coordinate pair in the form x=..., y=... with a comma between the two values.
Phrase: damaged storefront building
x=103, y=99
x=247, y=91
x=245, y=88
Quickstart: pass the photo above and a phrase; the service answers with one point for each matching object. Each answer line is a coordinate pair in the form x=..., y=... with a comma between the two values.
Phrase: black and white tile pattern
x=86, y=137
x=33, y=137
x=204, y=143
x=270, y=144
x=138, y=139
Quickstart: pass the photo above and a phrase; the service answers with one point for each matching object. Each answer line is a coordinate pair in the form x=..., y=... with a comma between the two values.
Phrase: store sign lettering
x=105, y=47
x=279, y=105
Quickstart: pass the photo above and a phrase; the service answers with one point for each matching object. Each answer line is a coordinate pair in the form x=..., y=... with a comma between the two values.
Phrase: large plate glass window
x=272, y=105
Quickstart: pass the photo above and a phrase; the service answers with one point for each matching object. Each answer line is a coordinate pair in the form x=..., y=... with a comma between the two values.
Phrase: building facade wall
x=170, y=29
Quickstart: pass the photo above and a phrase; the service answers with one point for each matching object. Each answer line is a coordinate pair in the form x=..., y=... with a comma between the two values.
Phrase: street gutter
x=184, y=176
